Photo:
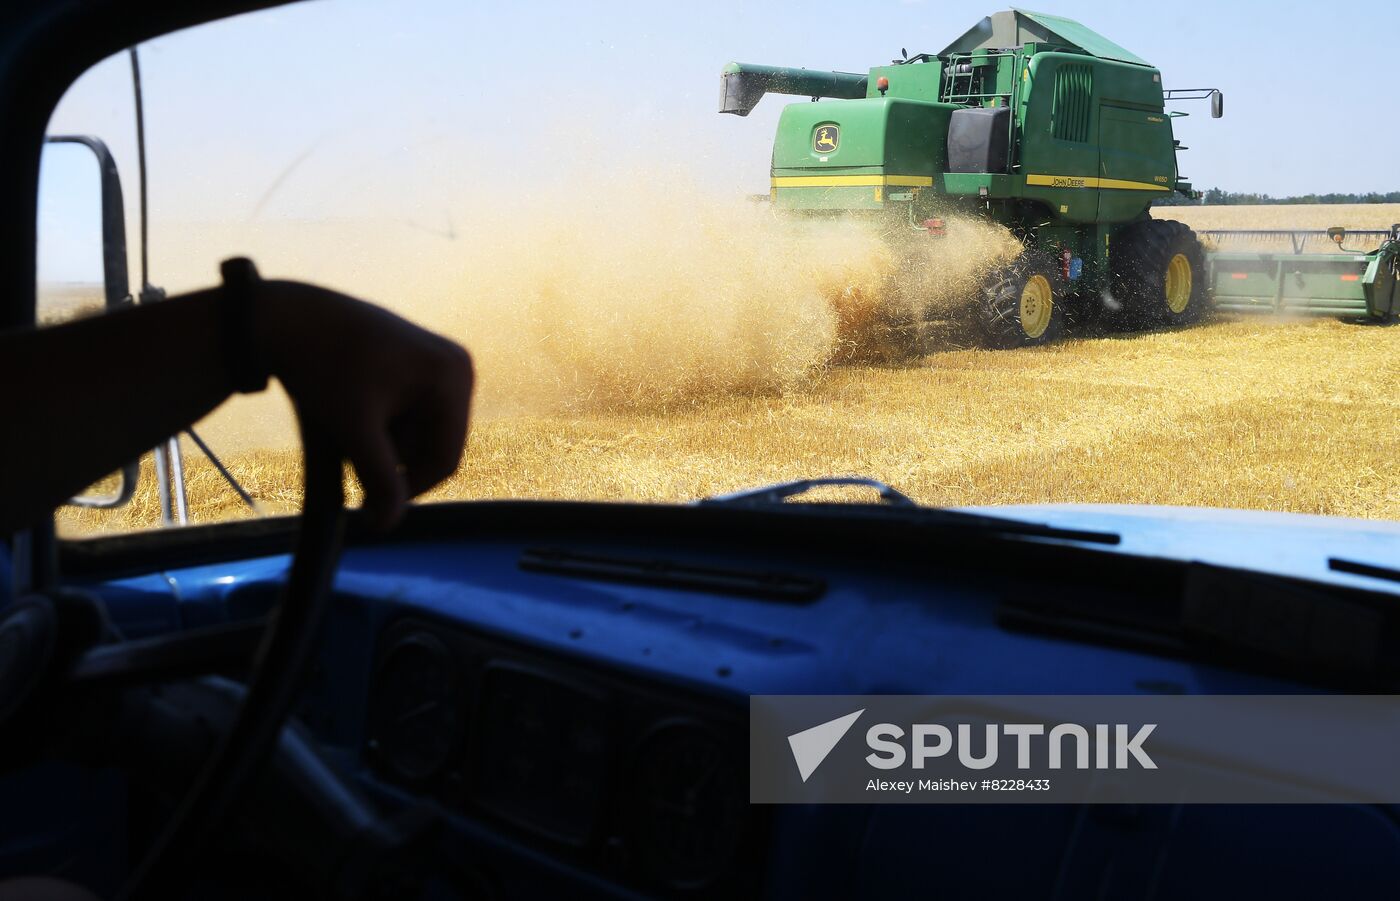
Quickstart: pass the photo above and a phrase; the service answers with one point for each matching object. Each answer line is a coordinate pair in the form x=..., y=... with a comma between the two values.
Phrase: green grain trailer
x=1030, y=119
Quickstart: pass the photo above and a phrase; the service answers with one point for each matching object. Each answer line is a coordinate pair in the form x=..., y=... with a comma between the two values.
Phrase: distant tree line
x=1217, y=197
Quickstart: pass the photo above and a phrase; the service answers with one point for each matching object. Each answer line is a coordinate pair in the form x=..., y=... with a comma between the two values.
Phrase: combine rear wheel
x=1023, y=303
x=1158, y=275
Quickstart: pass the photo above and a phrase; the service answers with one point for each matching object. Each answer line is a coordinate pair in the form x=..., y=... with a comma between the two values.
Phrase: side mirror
x=1336, y=234
x=1217, y=105
x=82, y=265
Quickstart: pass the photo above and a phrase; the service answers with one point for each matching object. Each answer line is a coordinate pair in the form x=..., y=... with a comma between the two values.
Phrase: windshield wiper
x=779, y=492
x=895, y=502
x=1356, y=568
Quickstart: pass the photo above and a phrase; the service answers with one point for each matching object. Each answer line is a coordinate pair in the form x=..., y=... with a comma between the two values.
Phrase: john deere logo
x=826, y=138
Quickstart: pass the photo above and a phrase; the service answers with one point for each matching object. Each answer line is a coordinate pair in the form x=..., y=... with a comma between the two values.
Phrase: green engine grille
x=1074, y=91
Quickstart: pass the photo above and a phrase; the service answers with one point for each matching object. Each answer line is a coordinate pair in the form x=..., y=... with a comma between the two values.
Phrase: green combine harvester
x=1062, y=136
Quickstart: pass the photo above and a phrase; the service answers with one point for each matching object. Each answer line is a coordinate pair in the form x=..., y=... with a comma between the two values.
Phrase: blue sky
x=411, y=109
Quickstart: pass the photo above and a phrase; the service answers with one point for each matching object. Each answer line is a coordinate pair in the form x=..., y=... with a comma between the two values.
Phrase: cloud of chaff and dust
x=925, y=279
x=618, y=293
x=612, y=293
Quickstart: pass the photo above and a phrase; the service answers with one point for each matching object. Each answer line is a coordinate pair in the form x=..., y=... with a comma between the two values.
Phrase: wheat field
x=1248, y=413
x=1312, y=216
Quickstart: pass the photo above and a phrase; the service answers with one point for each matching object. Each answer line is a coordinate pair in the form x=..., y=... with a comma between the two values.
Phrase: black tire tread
x=999, y=313
x=1138, y=261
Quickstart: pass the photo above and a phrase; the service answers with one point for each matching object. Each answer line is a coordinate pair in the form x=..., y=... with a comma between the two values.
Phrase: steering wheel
x=30, y=657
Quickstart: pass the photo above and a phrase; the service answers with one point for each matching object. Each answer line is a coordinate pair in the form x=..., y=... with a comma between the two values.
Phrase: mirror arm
x=131, y=472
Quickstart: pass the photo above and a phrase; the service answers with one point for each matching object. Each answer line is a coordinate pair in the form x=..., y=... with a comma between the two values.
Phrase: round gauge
x=414, y=721
x=689, y=804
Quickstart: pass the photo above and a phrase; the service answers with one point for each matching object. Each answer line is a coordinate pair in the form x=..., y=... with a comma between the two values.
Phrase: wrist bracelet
x=236, y=333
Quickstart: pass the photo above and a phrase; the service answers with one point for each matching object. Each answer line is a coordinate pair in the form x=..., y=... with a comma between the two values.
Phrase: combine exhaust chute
x=1358, y=282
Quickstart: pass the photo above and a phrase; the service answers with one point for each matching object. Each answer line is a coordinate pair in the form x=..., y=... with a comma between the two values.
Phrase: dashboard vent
x=775, y=586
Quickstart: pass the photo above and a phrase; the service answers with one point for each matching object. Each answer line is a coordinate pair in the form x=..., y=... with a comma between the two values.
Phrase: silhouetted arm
x=79, y=400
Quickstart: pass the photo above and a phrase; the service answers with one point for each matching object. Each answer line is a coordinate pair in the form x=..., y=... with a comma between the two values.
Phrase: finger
x=433, y=436
x=377, y=466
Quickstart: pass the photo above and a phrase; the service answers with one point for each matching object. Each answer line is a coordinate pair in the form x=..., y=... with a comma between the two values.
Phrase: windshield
x=665, y=303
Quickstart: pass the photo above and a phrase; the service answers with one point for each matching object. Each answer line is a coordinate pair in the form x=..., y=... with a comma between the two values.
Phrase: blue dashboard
x=570, y=689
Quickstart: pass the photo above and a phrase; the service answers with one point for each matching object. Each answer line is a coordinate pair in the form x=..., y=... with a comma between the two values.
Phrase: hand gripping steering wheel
x=32, y=660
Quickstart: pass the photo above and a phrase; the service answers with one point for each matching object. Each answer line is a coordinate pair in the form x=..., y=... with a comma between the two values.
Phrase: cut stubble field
x=1251, y=413
x=1235, y=415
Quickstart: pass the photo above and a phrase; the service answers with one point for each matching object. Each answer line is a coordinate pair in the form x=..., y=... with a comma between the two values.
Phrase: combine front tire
x=1158, y=275
x=1023, y=303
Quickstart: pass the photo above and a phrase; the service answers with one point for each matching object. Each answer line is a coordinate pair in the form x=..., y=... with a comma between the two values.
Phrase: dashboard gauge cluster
x=688, y=803
x=637, y=782
x=542, y=762
x=415, y=708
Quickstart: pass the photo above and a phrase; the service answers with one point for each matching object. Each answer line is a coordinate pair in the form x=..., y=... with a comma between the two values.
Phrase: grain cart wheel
x=1023, y=303
x=1158, y=275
